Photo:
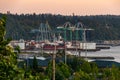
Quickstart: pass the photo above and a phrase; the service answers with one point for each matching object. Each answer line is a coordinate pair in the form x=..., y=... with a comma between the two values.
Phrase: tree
x=74, y=63
x=8, y=59
x=111, y=73
x=86, y=67
x=115, y=73
x=23, y=24
x=35, y=63
x=49, y=70
x=64, y=69
x=94, y=70
x=81, y=75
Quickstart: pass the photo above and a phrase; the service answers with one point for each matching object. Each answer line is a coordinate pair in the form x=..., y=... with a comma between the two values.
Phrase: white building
x=87, y=46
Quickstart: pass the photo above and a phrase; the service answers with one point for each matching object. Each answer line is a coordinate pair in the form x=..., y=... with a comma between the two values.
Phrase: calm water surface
x=112, y=52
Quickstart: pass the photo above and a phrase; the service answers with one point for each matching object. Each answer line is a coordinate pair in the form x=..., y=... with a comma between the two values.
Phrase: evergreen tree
x=85, y=67
x=35, y=63
x=8, y=59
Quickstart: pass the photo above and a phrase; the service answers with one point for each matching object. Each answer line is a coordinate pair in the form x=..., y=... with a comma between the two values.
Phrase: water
x=112, y=52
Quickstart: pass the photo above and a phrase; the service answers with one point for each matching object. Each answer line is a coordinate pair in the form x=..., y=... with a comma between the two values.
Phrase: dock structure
x=65, y=27
x=45, y=32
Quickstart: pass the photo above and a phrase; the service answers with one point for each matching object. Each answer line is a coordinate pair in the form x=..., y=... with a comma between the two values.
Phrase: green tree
x=86, y=67
x=35, y=64
x=81, y=76
x=8, y=62
x=64, y=69
x=111, y=73
x=49, y=70
x=74, y=63
x=106, y=73
x=59, y=75
x=17, y=48
x=94, y=70
x=115, y=73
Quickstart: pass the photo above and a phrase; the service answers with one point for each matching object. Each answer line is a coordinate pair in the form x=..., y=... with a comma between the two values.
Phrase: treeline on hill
x=106, y=27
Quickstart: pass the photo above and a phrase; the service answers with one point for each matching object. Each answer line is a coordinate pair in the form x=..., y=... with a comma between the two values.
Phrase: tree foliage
x=81, y=75
x=106, y=27
x=8, y=59
x=64, y=69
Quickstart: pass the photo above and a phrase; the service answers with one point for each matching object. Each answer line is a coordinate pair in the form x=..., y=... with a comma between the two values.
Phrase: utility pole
x=65, y=46
x=42, y=49
x=85, y=43
x=53, y=60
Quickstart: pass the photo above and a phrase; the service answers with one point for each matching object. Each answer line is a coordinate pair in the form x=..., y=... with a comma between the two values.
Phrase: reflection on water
x=112, y=52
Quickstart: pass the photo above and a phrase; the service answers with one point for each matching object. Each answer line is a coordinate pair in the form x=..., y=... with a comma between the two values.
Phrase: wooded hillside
x=106, y=27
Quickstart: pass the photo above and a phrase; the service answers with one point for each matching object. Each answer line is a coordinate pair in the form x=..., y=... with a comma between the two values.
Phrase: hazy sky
x=65, y=7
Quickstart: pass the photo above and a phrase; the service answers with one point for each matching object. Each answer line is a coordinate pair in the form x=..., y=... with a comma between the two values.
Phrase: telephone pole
x=53, y=60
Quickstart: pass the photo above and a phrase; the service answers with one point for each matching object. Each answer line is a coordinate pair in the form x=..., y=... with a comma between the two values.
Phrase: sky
x=63, y=7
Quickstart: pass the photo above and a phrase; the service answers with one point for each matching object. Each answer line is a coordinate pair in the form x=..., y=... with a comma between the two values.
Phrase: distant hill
x=106, y=27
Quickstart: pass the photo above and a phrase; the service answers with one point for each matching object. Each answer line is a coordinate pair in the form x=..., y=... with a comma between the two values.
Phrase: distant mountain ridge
x=106, y=27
